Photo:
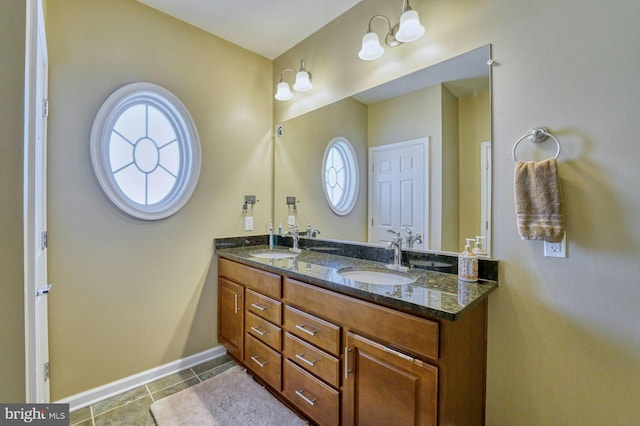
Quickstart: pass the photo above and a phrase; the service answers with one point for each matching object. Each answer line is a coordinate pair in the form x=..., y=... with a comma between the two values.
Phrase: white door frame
x=485, y=194
x=34, y=208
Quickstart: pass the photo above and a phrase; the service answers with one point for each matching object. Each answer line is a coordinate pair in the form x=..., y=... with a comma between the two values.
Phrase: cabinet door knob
x=237, y=298
x=347, y=370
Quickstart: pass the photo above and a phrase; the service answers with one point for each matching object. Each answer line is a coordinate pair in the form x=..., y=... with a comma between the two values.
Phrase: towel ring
x=536, y=136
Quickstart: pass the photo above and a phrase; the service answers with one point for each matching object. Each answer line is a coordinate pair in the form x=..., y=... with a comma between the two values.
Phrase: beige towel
x=538, y=201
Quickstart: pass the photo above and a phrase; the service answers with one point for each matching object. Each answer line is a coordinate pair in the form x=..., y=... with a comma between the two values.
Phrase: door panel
x=398, y=189
x=35, y=183
x=231, y=314
x=383, y=386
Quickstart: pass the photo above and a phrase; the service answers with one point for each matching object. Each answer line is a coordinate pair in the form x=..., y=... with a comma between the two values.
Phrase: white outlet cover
x=556, y=249
x=248, y=223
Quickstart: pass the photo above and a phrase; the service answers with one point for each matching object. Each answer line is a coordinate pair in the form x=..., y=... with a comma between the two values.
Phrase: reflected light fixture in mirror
x=409, y=29
x=302, y=83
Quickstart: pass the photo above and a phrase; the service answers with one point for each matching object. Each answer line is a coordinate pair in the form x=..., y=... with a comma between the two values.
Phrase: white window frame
x=187, y=137
x=348, y=201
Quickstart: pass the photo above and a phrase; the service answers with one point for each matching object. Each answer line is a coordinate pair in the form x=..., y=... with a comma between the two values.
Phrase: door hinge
x=45, y=107
x=44, y=239
x=46, y=371
x=44, y=290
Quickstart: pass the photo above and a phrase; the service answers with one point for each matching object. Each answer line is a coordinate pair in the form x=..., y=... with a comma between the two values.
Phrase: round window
x=340, y=176
x=145, y=151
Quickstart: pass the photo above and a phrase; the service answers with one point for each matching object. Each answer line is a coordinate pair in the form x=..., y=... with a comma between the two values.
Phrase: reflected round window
x=145, y=151
x=340, y=176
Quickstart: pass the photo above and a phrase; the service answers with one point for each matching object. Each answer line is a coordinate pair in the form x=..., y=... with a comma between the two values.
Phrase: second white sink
x=377, y=276
x=274, y=254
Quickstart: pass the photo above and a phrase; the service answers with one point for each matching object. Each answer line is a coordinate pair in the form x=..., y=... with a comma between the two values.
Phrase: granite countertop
x=434, y=294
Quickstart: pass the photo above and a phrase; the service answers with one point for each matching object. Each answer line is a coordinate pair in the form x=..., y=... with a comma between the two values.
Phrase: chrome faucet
x=311, y=232
x=396, y=246
x=293, y=232
x=411, y=239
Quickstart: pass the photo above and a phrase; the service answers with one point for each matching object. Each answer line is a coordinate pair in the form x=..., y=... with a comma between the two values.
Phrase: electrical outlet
x=248, y=223
x=556, y=249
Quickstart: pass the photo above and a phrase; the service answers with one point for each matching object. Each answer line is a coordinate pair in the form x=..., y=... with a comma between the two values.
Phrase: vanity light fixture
x=302, y=83
x=409, y=29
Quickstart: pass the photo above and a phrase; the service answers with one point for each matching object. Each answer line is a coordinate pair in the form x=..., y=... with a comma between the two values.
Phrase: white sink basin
x=274, y=254
x=377, y=276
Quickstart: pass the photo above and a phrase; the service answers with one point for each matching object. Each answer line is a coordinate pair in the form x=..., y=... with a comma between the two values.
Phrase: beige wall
x=456, y=127
x=298, y=169
x=12, y=43
x=131, y=295
x=415, y=115
x=564, y=345
x=475, y=128
x=450, y=172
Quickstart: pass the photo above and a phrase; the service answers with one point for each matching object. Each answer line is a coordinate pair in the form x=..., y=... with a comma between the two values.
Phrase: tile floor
x=132, y=407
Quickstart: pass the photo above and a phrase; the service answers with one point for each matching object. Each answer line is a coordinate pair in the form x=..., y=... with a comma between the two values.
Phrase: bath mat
x=230, y=398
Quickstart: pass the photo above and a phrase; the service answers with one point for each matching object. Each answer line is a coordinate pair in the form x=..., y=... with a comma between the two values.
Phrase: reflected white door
x=36, y=287
x=398, y=190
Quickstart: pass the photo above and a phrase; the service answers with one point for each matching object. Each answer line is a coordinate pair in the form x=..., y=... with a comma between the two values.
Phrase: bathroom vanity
x=341, y=351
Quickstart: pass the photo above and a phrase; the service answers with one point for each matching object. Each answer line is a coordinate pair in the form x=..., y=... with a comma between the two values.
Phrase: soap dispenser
x=468, y=264
x=479, y=249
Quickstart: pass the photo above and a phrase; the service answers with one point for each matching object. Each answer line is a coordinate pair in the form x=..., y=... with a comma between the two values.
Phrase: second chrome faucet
x=396, y=246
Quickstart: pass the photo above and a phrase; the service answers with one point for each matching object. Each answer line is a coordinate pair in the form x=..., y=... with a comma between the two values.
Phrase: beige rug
x=230, y=398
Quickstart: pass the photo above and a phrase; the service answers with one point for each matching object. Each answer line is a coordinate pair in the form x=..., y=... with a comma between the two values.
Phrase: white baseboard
x=100, y=393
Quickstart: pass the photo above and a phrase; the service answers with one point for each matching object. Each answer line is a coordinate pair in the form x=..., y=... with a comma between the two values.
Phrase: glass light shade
x=410, y=27
x=303, y=82
x=371, y=48
x=284, y=92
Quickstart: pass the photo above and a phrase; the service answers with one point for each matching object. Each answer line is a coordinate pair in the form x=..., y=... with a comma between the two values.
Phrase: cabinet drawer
x=264, y=331
x=312, y=359
x=262, y=281
x=315, y=330
x=310, y=395
x=414, y=334
x=264, y=307
x=263, y=361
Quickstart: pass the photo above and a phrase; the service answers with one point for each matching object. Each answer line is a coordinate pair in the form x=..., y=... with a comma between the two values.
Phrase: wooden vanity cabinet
x=340, y=360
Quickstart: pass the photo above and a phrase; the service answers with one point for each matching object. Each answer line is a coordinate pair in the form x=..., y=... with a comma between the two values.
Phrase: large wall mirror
x=446, y=110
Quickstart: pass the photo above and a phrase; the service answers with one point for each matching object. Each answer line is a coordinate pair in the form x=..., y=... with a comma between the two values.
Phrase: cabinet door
x=230, y=317
x=383, y=386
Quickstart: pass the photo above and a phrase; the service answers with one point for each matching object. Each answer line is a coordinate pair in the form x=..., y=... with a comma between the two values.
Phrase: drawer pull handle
x=389, y=350
x=260, y=307
x=310, y=401
x=257, y=361
x=310, y=331
x=302, y=358
x=260, y=332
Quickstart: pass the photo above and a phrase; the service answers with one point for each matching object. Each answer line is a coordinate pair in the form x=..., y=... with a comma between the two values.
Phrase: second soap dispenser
x=468, y=264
